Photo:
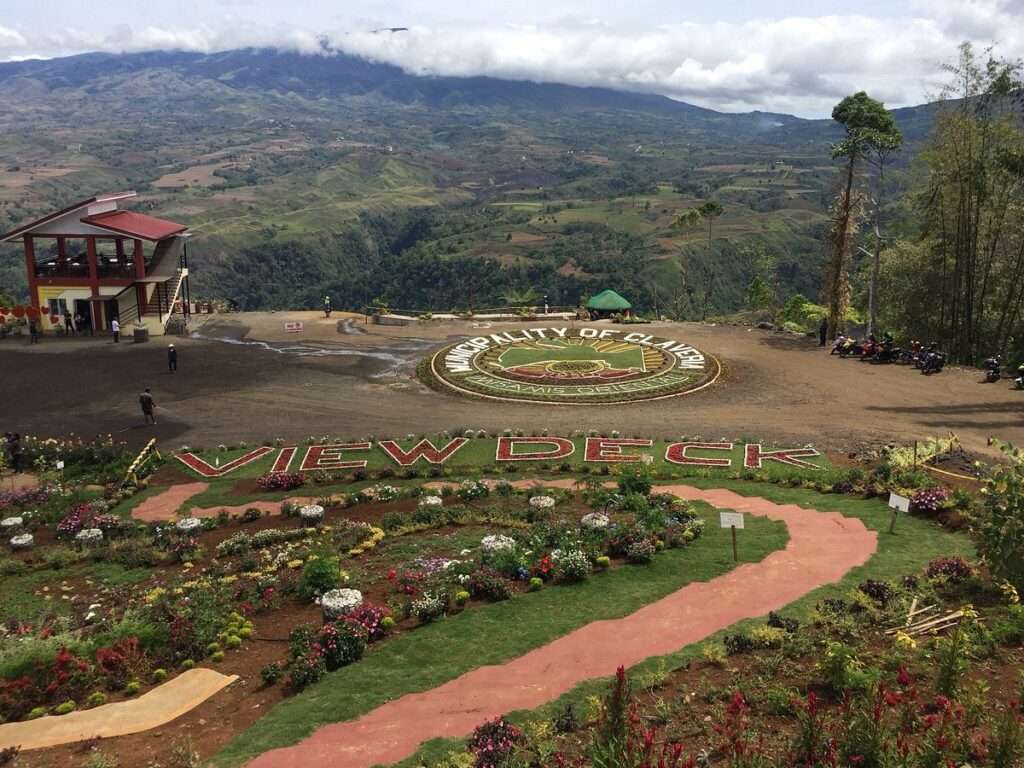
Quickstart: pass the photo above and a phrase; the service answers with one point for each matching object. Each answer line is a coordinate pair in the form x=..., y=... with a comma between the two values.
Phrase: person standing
x=172, y=358
x=115, y=328
x=33, y=331
x=327, y=307
x=148, y=404
x=69, y=324
x=823, y=332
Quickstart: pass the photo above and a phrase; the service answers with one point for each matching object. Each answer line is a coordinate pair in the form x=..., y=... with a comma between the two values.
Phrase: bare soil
x=342, y=376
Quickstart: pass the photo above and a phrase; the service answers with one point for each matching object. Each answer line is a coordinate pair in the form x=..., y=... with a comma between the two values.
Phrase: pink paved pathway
x=822, y=547
x=165, y=505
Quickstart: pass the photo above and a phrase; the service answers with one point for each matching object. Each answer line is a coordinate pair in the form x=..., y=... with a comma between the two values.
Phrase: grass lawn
x=495, y=633
x=20, y=601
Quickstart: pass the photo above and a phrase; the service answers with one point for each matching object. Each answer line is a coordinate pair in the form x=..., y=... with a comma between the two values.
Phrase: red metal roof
x=135, y=225
x=63, y=212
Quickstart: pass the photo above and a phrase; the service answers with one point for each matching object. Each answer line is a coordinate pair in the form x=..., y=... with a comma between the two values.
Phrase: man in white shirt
x=115, y=327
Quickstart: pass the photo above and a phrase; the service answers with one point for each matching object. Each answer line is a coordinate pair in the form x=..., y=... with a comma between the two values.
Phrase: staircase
x=162, y=288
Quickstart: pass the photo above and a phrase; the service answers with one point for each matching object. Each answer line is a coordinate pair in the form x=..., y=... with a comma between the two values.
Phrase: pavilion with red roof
x=101, y=263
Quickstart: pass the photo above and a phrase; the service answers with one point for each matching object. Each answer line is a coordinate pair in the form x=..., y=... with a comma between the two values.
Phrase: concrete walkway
x=822, y=548
x=151, y=710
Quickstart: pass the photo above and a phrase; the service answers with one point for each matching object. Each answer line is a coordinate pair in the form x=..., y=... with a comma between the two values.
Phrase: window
x=58, y=307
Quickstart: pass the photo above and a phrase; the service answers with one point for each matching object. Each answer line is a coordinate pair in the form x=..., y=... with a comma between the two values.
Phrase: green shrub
x=233, y=642
x=132, y=687
x=159, y=675
x=536, y=583
x=271, y=673
x=96, y=699
x=188, y=664
x=462, y=597
x=1001, y=522
x=217, y=657
x=388, y=623
x=306, y=670
x=67, y=707
x=213, y=647
x=319, y=575
x=36, y=712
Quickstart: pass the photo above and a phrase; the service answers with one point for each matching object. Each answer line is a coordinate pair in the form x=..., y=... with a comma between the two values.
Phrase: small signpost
x=732, y=520
x=293, y=327
x=898, y=504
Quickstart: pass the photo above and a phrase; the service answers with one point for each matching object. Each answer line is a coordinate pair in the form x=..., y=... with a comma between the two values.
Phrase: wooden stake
x=735, y=556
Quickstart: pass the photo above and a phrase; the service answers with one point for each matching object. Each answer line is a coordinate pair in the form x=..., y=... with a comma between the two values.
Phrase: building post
x=30, y=270
x=140, y=272
x=119, y=251
x=94, y=284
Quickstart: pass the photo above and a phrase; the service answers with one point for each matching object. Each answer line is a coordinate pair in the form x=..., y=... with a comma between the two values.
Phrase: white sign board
x=731, y=519
x=295, y=327
x=60, y=464
x=902, y=503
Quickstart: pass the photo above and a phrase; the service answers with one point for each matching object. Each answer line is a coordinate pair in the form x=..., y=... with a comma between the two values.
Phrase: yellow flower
x=154, y=594
x=293, y=564
x=905, y=641
x=1010, y=594
x=229, y=579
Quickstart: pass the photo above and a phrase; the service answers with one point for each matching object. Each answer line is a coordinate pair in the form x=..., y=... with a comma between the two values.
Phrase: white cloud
x=799, y=64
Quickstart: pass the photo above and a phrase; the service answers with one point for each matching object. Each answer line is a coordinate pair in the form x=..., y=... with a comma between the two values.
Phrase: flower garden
x=338, y=575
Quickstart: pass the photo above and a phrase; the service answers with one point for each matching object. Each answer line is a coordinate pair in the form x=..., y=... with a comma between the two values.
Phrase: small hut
x=608, y=303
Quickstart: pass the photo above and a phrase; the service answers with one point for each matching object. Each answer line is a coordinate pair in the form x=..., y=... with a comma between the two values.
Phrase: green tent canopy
x=608, y=301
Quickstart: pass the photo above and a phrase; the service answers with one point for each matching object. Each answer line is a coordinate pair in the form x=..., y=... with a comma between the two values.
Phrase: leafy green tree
x=868, y=125
x=521, y=297
x=759, y=294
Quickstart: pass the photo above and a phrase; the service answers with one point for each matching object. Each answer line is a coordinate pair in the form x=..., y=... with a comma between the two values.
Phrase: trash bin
x=141, y=334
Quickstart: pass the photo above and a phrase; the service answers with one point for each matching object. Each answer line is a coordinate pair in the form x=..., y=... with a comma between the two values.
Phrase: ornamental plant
x=572, y=565
x=281, y=481
x=955, y=570
x=493, y=743
x=1001, y=524
x=928, y=501
x=429, y=607
x=641, y=551
x=341, y=643
x=487, y=584
x=306, y=670
x=375, y=619
x=320, y=574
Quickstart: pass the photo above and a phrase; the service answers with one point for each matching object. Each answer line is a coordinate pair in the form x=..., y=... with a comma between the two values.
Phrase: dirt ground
x=243, y=377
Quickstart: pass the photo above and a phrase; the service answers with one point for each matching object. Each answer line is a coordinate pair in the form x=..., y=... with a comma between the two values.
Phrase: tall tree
x=708, y=211
x=868, y=125
x=886, y=145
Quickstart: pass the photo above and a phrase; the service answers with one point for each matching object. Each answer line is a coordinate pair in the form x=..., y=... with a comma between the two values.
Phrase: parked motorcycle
x=1019, y=381
x=993, y=369
x=933, y=362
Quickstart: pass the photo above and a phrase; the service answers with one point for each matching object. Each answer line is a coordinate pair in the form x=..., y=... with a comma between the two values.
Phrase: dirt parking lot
x=245, y=378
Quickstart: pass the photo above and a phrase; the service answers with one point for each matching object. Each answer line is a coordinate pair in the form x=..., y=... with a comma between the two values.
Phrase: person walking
x=327, y=307
x=823, y=332
x=115, y=328
x=148, y=404
x=33, y=331
x=172, y=358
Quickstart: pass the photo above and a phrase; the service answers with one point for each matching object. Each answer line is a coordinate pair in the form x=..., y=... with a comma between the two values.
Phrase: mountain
x=337, y=75
x=310, y=174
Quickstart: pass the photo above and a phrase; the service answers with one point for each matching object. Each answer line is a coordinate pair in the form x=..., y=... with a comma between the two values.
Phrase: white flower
x=465, y=552
x=340, y=602
x=312, y=513
x=189, y=524
x=89, y=536
x=431, y=501
x=24, y=541
x=542, y=502
x=497, y=543
x=12, y=523
x=595, y=521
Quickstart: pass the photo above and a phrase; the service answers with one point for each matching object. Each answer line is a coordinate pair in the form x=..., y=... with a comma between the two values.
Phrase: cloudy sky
x=778, y=55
